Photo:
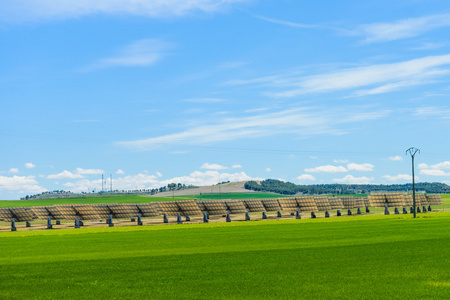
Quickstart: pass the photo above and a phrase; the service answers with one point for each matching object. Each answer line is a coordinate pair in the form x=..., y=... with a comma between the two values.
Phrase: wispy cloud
x=354, y=180
x=360, y=167
x=286, y=23
x=204, y=100
x=213, y=166
x=402, y=29
x=432, y=111
x=140, y=53
x=361, y=81
x=327, y=169
x=30, y=165
x=38, y=10
x=400, y=177
x=395, y=158
x=298, y=122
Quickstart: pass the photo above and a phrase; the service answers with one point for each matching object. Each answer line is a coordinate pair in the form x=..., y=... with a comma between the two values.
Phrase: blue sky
x=203, y=91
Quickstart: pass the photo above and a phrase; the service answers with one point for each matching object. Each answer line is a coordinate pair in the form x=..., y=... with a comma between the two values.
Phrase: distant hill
x=289, y=188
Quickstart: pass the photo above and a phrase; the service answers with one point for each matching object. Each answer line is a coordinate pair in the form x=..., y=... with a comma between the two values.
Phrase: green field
x=360, y=257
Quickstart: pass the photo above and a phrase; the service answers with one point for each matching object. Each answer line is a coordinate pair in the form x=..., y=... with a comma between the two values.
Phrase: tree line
x=289, y=188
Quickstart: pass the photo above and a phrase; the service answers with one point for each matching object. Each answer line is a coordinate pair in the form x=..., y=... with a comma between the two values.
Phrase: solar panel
x=123, y=211
x=360, y=202
x=288, y=204
x=271, y=204
x=6, y=215
x=54, y=213
x=40, y=212
x=170, y=208
x=201, y=206
x=215, y=207
x=189, y=208
x=86, y=212
x=236, y=207
x=434, y=199
x=102, y=210
x=22, y=214
x=335, y=203
x=348, y=202
x=148, y=210
x=322, y=203
x=420, y=200
x=306, y=203
x=254, y=205
x=395, y=200
x=377, y=200
x=67, y=211
x=366, y=201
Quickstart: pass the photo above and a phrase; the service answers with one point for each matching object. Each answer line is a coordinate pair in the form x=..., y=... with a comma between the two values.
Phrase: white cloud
x=354, y=180
x=396, y=158
x=360, y=167
x=439, y=166
x=306, y=177
x=89, y=171
x=34, y=10
x=30, y=165
x=159, y=174
x=268, y=170
x=213, y=167
x=79, y=172
x=236, y=166
x=140, y=53
x=120, y=172
x=401, y=29
x=296, y=122
x=209, y=178
x=24, y=184
x=400, y=177
x=327, y=169
x=434, y=172
x=340, y=161
x=64, y=174
x=13, y=170
x=362, y=80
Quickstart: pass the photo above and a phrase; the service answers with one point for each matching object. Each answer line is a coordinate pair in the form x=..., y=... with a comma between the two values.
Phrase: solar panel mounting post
x=13, y=225
x=77, y=223
x=49, y=223
x=412, y=151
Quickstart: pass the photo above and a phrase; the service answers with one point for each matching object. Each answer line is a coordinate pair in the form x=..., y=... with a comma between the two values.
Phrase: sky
x=150, y=92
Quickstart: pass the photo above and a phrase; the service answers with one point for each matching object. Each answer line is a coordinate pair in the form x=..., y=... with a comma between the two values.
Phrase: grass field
x=366, y=257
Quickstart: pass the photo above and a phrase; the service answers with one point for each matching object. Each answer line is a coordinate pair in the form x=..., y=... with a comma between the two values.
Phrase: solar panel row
x=212, y=207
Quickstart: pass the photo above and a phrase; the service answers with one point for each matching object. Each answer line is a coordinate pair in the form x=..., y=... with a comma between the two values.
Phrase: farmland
x=392, y=257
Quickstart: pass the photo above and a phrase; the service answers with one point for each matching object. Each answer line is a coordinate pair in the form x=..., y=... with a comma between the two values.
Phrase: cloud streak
x=141, y=53
x=299, y=122
x=38, y=10
x=361, y=81
x=402, y=29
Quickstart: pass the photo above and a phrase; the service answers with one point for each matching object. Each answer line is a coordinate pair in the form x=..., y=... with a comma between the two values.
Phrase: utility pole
x=412, y=151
